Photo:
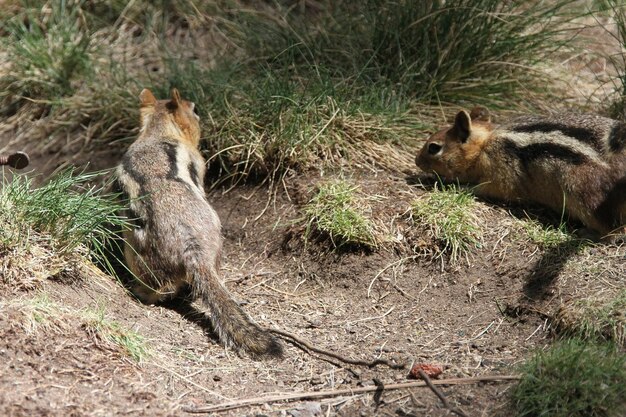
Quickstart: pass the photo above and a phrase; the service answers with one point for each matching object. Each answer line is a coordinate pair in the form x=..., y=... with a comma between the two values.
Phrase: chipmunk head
x=452, y=152
x=175, y=117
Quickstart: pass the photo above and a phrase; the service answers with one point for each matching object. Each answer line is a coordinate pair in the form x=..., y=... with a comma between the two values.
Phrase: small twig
x=441, y=395
x=339, y=392
x=301, y=343
x=395, y=263
x=533, y=333
x=372, y=318
x=485, y=330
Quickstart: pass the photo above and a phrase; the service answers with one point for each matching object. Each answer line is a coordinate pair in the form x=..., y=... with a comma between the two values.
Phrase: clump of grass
x=446, y=215
x=48, y=50
x=425, y=50
x=67, y=209
x=546, y=236
x=615, y=8
x=315, y=88
x=336, y=211
x=44, y=230
x=40, y=312
x=572, y=379
x=280, y=123
x=129, y=342
x=602, y=317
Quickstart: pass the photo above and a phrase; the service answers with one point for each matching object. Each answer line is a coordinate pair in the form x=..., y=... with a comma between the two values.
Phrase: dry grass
x=38, y=313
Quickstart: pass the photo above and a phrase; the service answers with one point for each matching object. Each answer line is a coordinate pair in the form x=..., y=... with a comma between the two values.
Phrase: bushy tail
x=232, y=324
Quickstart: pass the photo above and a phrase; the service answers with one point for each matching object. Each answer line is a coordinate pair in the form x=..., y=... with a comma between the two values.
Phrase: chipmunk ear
x=147, y=98
x=176, y=100
x=480, y=113
x=462, y=125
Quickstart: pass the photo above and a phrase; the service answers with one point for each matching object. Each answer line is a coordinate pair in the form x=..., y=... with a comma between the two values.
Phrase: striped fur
x=576, y=162
x=176, y=242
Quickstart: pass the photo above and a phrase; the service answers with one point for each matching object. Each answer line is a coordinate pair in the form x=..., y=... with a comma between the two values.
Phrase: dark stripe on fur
x=137, y=176
x=170, y=150
x=529, y=153
x=581, y=134
x=617, y=137
x=193, y=173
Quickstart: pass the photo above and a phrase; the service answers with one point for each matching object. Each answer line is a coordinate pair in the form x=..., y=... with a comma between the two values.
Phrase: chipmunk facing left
x=571, y=162
x=176, y=241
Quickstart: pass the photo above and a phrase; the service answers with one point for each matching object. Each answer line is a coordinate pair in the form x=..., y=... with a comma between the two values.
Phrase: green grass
x=599, y=317
x=46, y=230
x=42, y=314
x=263, y=122
x=572, y=379
x=290, y=90
x=617, y=9
x=129, y=342
x=338, y=212
x=312, y=90
x=430, y=51
x=546, y=236
x=447, y=214
x=68, y=209
x=48, y=50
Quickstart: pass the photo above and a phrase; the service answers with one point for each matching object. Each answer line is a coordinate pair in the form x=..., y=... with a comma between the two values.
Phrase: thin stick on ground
x=339, y=392
x=391, y=265
x=441, y=395
x=302, y=344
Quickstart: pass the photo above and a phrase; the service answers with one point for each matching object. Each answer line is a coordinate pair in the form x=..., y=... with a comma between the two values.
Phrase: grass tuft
x=129, y=342
x=617, y=9
x=446, y=214
x=572, y=379
x=67, y=209
x=48, y=49
x=546, y=236
x=474, y=50
x=600, y=317
x=41, y=313
x=45, y=230
x=338, y=212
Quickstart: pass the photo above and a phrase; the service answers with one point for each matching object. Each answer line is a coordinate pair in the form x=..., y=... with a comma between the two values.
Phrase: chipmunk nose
x=434, y=148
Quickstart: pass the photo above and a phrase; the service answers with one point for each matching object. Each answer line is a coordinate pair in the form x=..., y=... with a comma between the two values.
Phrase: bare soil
x=480, y=316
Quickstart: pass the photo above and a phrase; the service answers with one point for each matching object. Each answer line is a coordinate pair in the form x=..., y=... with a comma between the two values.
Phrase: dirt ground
x=479, y=317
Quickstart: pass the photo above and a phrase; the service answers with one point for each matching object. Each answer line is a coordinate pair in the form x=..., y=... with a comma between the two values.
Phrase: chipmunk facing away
x=571, y=162
x=177, y=240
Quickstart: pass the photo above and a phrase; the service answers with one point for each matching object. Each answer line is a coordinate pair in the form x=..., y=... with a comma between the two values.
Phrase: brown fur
x=177, y=240
x=571, y=162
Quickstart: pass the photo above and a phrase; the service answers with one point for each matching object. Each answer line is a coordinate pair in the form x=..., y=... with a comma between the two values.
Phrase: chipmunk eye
x=434, y=148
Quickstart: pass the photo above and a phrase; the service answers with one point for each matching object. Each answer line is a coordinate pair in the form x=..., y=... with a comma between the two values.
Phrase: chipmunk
x=575, y=163
x=177, y=241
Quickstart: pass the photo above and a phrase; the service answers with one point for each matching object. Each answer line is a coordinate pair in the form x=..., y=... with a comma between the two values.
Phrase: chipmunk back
x=176, y=241
x=575, y=163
